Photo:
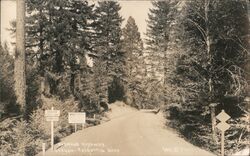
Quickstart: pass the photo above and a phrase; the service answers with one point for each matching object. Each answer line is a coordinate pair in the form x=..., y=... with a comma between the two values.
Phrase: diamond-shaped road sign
x=223, y=116
x=223, y=126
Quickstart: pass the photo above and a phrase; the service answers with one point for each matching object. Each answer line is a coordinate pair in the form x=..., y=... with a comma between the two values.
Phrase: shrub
x=8, y=105
x=18, y=137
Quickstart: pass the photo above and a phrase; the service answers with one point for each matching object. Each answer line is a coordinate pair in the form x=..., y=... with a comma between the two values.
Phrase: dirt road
x=128, y=133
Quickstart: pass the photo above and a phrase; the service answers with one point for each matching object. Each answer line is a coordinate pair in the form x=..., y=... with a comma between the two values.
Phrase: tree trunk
x=213, y=121
x=19, y=70
x=247, y=67
x=210, y=81
x=72, y=82
x=208, y=44
x=248, y=9
x=0, y=23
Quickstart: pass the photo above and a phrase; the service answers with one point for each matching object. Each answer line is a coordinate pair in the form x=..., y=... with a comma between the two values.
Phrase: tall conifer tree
x=59, y=36
x=108, y=47
x=158, y=36
x=135, y=65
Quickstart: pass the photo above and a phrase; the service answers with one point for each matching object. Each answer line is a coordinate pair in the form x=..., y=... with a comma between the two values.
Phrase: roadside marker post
x=52, y=134
x=43, y=147
x=213, y=121
x=83, y=126
x=52, y=115
x=223, y=126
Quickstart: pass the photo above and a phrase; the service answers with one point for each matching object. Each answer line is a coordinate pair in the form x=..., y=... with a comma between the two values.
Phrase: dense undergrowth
x=197, y=129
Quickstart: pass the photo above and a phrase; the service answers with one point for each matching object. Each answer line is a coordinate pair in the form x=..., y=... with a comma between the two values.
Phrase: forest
x=76, y=56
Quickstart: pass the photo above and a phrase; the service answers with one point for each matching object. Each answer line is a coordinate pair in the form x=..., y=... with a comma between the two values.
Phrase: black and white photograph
x=125, y=78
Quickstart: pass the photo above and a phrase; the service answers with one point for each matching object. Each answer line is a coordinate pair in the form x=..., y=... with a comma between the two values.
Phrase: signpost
x=43, y=147
x=77, y=118
x=223, y=126
x=52, y=115
x=213, y=121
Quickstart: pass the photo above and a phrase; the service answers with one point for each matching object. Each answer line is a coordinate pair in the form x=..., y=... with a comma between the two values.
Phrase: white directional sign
x=52, y=113
x=223, y=126
x=52, y=118
x=77, y=117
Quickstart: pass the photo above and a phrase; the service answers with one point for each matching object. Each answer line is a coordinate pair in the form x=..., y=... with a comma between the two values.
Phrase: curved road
x=134, y=133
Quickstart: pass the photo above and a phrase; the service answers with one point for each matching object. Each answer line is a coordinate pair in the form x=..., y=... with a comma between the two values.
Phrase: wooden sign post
x=213, y=121
x=223, y=126
x=52, y=115
x=43, y=148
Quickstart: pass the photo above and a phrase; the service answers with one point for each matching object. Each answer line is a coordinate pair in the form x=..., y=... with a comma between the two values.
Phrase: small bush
x=197, y=129
x=18, y=137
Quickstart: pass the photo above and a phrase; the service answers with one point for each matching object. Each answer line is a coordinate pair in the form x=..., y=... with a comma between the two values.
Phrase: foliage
x=33, y=88
x=58, y=37
x=107, y=27
x=199, y=71
x=161, y=16
x=19, y=137
x=158, y=23
x=210, y=53
x=63, y=128
x=7, y=96
x=26, y=137
x=132, y=46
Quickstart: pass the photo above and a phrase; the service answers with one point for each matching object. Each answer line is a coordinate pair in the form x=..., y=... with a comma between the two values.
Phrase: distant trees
x=158, y=36
x=134, y=63
x=133, y=48
x=7, y=95
x=160, y=18
x=58, y=37
x=108, y=47
x=61, y=35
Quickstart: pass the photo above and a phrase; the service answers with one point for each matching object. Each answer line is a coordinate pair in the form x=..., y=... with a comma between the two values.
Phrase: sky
x=138, y=9
x=8, y=13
